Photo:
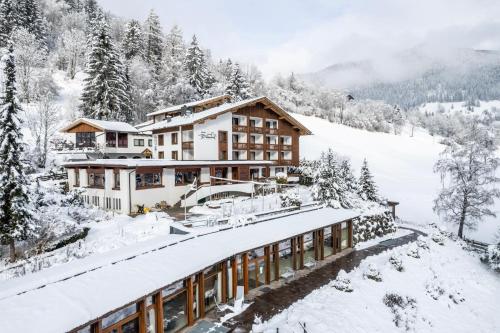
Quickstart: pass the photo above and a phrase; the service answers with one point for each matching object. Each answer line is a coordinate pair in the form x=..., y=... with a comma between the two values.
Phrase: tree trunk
x=12, y=248
x=462, y=219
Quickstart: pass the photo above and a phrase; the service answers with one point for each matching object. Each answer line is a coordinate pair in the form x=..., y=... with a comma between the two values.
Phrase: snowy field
x=402, y=167
x=452, y=290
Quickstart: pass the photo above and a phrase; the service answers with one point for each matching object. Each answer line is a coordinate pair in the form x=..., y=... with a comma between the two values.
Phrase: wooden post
x=244, y=263
x=293, y=250
x=158, y=311
x=224, y=281
x=276, y=252
x=142, y=316
x=96, y=327
x=190, y=299
x=234, y=270
x=316, y=244
x=267, y=264
x=201, y=294
x=334, y=247
x=321, y=239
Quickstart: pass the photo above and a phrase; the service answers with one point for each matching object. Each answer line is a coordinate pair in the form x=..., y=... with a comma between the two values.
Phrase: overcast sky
x=303, y=36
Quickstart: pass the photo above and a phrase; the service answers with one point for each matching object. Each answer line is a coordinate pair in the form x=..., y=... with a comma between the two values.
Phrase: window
x=110, y=139
x=148, y=179
x=161, y=155
x=160, y=140
x=344, y=236
x=253, y=139
x=236, y=138
x=186, y=176
x=139, y=142
x=150, y=142
x=236, y=121
x=223, y=155
x=187, y=136
x=96, y=178
x=123, y=140
x=116, y=176
x=174, y=138
x=77, y=177
x=85, y=139
x=222, y=136
x=252, y=156
x=175, y=155
x=175, y=311
x=114, y=319
x=271, y=124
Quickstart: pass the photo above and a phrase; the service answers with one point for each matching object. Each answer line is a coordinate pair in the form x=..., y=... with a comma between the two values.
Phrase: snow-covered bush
x=434, y=288
x=281, y=178
x=372, y=273
x=422, y=243
x=404, y=309
x=438, y=237
x=342, y=282
x=397, y=262
x=370, y=226
x=492, y=257
x=290, y=199
x=413, y=252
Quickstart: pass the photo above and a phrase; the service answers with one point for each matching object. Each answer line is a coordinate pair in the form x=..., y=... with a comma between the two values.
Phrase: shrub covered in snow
x=397, y=262
x=404, y=309
x=290, y=199
x=371, y=226
x=423, y=243
x=438, y=237
x=492, y=257
x=413, y=252
x=434, y=288
x=342, y=282
x=372, y=273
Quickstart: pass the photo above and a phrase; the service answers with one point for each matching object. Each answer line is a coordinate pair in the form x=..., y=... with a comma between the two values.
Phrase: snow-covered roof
x=144, y=162
x=104, y=125
x=64, y=297
x=200, y=116
x=188, y=105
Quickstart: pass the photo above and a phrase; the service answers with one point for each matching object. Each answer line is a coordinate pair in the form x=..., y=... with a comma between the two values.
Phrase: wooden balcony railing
x=239, y=128
x=286, y=147
x=256, y=146
x=258, y=130
x=240, y=145
x=272, y=130
x=285, y=162
x=272, y=147
x=188, y=145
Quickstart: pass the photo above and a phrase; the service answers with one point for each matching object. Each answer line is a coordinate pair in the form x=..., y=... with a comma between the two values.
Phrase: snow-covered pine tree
x=174, y=54
x=196, y=68
x=467, y=167
x=238, y=87
x=367, y=187
x=328, y=186
x=350, y=182
x=105, y=93
x=153, y=41
x=30, y=17
x=15, y=209
x=91, y=9
x=7, y=21
x=132, y=42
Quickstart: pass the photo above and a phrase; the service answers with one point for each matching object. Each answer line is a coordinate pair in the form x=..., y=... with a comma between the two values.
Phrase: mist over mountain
x=417, y=76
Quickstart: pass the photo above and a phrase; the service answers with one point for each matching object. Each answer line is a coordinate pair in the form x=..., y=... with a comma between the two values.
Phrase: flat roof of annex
x=139, y=163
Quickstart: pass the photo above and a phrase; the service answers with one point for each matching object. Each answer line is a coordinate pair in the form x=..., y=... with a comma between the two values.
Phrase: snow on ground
x=69, y=92
x=459, y=107
x=402, y=166
x=453, y=291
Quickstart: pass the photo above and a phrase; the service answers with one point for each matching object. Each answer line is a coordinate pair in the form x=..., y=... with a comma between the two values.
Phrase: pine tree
x=15, y=209
x=196, y=68
x=30, y=17
x=105, y=93
x=238, y=87
x=132, y=42
x=91, y=9
x=153, y=39
x=367, y=187
x=7, y=21
x=328, y=185
x=174, y=55
x=351, y=184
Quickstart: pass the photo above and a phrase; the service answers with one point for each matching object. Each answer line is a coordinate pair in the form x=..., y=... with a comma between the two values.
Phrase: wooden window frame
x=174, y=138
x=161, y=140
x=122, y=143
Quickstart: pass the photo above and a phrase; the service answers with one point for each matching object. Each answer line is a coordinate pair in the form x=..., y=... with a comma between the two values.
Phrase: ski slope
x=402, y=167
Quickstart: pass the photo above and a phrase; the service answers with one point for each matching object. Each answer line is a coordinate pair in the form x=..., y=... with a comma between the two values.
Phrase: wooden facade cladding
x=83, y=127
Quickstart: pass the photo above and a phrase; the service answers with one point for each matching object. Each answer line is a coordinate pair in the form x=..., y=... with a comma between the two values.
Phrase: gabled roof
x=104, y=125
x=188, y=105
x=198, y=117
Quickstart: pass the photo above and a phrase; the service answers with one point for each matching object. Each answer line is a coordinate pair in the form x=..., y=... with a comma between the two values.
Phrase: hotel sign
x=207, y=135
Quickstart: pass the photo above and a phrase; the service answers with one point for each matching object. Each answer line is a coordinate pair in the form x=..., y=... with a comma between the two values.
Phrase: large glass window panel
x=345, y=236
x=285, y=253
x=308, y=247
x=119, y=315
x=213, y=285
x=131, y=326
x=229, y=284
x=150, y=320
x=328, y=241
x=174, y=312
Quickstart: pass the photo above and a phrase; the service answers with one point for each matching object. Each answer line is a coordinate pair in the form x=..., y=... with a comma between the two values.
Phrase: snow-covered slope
x=402, y=166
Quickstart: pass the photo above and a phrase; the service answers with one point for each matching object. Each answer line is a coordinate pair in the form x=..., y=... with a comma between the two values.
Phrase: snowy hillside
x=402, y=166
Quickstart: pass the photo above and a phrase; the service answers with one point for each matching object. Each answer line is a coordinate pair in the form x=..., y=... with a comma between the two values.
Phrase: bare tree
x=467, y=167
x=42, y=123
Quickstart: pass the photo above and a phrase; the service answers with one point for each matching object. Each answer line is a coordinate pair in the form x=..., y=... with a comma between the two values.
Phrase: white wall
x=208, y=149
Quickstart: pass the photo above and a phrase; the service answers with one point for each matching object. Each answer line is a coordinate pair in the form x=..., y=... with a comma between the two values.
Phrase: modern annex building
x=201, y=149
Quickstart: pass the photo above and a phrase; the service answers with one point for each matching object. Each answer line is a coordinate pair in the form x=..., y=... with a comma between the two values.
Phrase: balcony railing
x=188, y=145
x=285, y=162
x=286, y=147
x=258, y=130
x=239, y=145
x=239, y=128
x=256, y=146
x=272, y=130
x=272, y=147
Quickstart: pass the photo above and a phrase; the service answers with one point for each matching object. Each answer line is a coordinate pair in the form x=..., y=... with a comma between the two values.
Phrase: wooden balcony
x=286, y=147
x=285, y=162
x=240, y=146
x=258, y=130
x=239, y=128
x=272, y=131
x=188, y=145
x=272, y=147
x=256, y=146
